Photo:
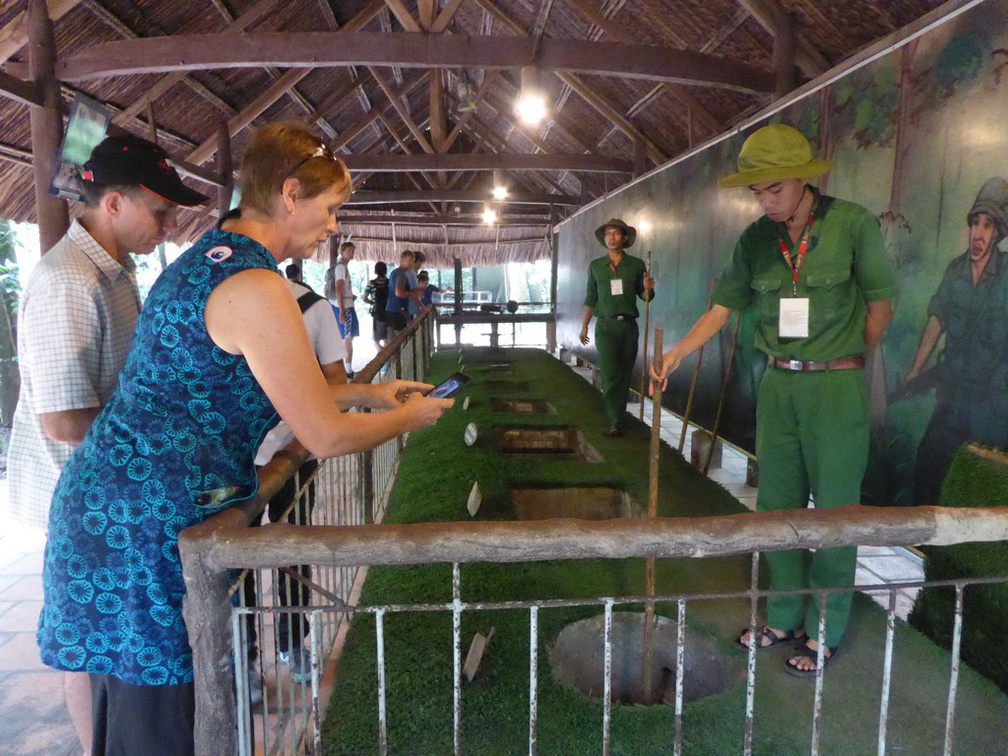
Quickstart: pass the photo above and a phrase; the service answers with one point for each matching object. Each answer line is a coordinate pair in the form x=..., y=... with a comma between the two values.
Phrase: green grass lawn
x=435, y=475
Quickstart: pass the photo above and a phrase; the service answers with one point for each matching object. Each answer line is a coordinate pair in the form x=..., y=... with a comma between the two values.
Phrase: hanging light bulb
x=531, y=105
x=489, y=215
x=499, y=187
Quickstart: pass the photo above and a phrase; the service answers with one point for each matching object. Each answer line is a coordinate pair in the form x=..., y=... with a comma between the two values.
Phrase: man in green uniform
x=615, y=280
x=816, y=269
x=970, y=376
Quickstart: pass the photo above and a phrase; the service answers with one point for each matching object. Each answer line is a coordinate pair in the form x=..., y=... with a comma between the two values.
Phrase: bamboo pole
x=644, y=362
x=647, y=692
x=724, y=390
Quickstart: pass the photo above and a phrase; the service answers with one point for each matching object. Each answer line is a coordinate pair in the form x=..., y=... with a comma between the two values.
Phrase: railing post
x=207, y=610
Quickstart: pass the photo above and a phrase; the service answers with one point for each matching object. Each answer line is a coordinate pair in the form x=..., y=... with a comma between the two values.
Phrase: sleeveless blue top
x=174, y=445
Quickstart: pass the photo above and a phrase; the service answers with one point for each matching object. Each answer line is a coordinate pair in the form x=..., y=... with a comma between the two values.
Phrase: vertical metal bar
x=751, y=663
x=457, y=656
x=954, y=680
x=382, y=721
x=241, y=681
x=533, y=676
x=680, y=669
x=315, y=644
x=820, y=660
x=607, y=682
x=887, y=674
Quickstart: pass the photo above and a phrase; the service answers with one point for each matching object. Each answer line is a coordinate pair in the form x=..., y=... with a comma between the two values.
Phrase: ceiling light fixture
x=499, y=187
x=531, y=105
x=489, y=215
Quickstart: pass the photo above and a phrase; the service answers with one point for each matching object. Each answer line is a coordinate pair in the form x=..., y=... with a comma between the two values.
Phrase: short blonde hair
x=285, y=150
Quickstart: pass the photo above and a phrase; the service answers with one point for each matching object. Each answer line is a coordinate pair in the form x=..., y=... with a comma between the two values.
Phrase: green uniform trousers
x=811, y=436
x=616, y=342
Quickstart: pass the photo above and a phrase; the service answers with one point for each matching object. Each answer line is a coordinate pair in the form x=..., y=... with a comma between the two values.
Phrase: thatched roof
x=630, y=85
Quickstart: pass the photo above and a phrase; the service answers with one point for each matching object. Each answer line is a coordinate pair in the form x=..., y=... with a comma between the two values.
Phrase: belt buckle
x=795, y=365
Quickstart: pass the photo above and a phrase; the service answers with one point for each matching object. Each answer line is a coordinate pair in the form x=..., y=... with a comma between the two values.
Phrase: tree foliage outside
x=10, y=290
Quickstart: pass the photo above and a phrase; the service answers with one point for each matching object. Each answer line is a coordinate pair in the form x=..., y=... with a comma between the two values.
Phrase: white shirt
x=323, y=332
x=75, y=324
x=341, y=273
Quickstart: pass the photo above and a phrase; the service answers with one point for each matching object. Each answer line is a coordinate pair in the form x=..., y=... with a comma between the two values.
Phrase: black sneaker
x=613, y=432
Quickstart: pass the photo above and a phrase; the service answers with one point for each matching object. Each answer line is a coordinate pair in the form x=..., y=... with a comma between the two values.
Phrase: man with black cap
x=76, y=320
x=615, y=280
x=817, y=270
x=971, y=374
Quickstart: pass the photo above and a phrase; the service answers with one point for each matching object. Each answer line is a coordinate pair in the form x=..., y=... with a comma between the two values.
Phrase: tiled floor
x=33, y=717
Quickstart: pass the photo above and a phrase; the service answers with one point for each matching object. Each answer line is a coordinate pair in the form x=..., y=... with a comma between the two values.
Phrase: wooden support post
x=551, y=327
x=724, y=391
x=225, y=168
x=458, y=299
x=206, y=609
x=639, y=156
x=784, y=54
x=151, y=123
x=653, y=467
x=52, y=212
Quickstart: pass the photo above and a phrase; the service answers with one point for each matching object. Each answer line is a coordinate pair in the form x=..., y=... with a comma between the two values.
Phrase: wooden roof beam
x=325, y=49
x=771, y=17
x=14, y=35
x=123, y=29
x=368, y=197
x=403, y=112
x=250, y=16
x=462, y=218
x=254, y=109
x=368, y=118
x=486, y=162
x=616, y=33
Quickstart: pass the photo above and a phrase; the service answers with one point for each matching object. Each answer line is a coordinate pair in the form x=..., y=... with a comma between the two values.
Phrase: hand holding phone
x=449, y=387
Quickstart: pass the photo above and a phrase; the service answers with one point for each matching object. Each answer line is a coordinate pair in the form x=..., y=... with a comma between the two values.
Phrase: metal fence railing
x=252, y=618
x=339, y=545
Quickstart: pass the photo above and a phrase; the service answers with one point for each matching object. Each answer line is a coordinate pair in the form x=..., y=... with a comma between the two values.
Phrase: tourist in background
x=376, y=295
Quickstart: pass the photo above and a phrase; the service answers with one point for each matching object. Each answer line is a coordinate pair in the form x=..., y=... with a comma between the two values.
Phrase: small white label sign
x=794, y=317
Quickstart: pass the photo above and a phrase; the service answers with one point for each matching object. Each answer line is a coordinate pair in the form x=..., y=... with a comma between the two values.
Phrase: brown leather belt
x=842, y=363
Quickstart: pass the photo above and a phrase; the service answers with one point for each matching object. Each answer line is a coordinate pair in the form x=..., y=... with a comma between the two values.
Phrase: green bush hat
x=629, y=231
x=772, y=153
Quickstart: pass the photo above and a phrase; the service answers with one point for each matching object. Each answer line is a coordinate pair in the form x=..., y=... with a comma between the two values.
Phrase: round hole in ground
x=577, y=658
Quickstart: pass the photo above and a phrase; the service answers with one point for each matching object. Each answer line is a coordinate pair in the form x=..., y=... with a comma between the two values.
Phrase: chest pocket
x=830, y=294
x=768, y=293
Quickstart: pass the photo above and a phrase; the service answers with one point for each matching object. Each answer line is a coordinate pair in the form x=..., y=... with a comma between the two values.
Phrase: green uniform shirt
x=845, y=267
x=599, y=294
x=974, y=318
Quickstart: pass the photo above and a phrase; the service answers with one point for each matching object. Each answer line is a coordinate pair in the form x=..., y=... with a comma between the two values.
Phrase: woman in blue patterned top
x=220, y=351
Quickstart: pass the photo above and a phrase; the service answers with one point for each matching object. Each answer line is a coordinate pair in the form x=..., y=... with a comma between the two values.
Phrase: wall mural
x=920, y=137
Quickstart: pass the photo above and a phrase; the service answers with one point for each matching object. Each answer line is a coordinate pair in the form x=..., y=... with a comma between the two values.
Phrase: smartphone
x=450, y=386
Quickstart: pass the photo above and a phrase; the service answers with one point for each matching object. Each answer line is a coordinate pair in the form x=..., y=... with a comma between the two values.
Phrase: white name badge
x=794, y=313
x=616, y=287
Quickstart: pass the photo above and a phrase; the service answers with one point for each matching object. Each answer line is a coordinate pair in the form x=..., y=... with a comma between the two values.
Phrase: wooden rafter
x=486, y=162
x=14, y=35
x=323, y=50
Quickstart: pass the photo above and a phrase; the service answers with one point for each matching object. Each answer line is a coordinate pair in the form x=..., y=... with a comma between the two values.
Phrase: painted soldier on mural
x=970, y=374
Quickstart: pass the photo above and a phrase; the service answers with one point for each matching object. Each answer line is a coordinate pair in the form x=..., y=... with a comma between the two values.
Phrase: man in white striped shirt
x=75, y=323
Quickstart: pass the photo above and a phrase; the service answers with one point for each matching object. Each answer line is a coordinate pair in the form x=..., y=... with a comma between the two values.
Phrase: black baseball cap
x=131, y=161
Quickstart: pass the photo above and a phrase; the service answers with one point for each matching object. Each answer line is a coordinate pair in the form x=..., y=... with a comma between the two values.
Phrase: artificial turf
x=435, y=475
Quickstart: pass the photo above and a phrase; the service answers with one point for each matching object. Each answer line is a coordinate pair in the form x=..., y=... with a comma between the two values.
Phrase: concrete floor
x=33, y=717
